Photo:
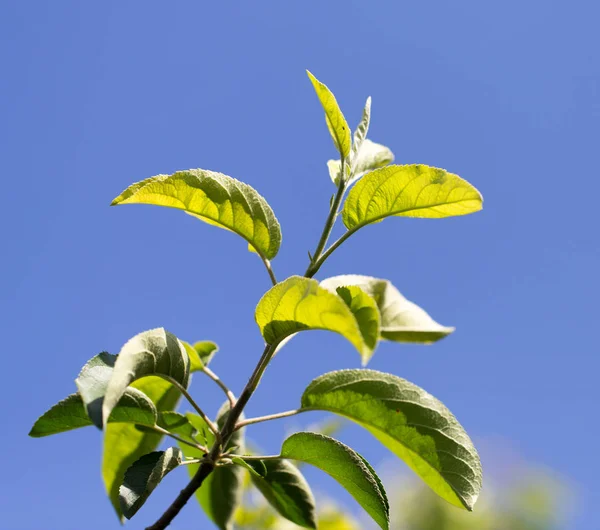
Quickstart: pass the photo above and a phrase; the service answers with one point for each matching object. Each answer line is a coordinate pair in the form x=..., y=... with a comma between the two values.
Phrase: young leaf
x=200, y=353
x=401, y=320
x=221, y=491
x=360, y=134
x=336, y=122
x=344, y=465
x=298, y=304
x=408, y=191
x=365, y=311
x=371, y=156
x=143, y=476
x=124, y=443
x=154, y=352
x=285, y=488
x=216, y=199
x=410, y=422
x=177, y=424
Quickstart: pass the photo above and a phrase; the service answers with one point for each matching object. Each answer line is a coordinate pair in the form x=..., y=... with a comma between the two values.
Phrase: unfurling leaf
x=216, y=199
x=344, y=465
x=408, y=191
x=410, y=422
x=155, y=352
x=299, y=303
x=285, y=488
x=336, y=122
x=401, y=319
x=144, y=475
x=371, y=156
x=200, y=353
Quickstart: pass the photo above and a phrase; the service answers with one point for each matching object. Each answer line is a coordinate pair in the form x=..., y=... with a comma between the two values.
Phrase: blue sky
x=97, y=96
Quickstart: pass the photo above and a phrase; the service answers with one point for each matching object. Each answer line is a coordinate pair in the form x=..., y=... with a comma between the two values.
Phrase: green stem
x=269, y=417
x=333, y=211
x=211, y=425
x=317, y=264
x=269, y=269
x=160, y=430
x=209, y=373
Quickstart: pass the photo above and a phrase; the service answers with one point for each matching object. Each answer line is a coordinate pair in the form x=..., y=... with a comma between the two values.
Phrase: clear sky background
x=96, y=96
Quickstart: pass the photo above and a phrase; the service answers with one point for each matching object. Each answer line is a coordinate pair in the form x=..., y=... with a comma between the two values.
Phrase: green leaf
x=133, y=407
x=365, y=311
x=401, y=320
x=285, y=488
x=344, y=465
x=408, y=191
x=124, y=443
x=298, y=304
x=70, y=413
x=221, y=491
x=154, y=352
x=214, y=198
x=336, y=123
x=200, y=354
x=410, y=422
x=177, y=424
x=144, y=475
x=66, y=415
x=371, y=156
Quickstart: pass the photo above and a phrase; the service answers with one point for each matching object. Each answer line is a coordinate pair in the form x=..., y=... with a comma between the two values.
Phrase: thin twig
x=160, y=430
x=211, y=425
x=269, y=417
x=269, y=268
x=222, y=385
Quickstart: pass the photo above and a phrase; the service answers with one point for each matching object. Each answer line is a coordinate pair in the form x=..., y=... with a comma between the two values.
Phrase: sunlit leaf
x=143, y=476
x=344, y=465
x=409, y=191
x=336, y=122
x=155, y=352
x=401, y=319
x=410, y=422
x=298, y=304
x=216, y=199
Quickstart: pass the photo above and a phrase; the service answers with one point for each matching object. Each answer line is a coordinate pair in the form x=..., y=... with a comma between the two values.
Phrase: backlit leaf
x=401, y=320
x=298, y=304
x=409, y=191
x=144, y=475
x=200, y=353
x=214, y=198
x=336, y=122
x=410, y=422
x=344, y=465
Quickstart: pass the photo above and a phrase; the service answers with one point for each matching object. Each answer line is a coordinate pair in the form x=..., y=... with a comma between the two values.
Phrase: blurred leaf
x=344, y=465
x=214, y=198
x=154, y=352
x=410, y=422
x=144, y=475
x=401, y=320
x=298, y=304
x=221, y=491
x=124, y=443
x=408, y=191
x=336, y=122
